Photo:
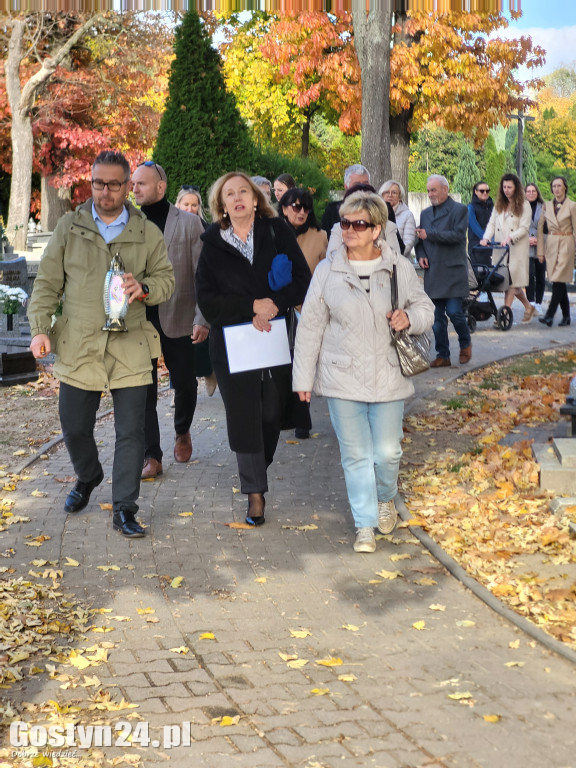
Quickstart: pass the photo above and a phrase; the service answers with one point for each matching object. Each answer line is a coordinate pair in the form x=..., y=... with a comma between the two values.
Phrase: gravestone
x=14, y=274
x=17, y=365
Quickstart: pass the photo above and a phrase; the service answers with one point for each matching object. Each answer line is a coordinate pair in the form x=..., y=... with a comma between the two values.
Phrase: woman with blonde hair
x=509, y=225
x=251, y=270
x=189, y=199
x=344, y=352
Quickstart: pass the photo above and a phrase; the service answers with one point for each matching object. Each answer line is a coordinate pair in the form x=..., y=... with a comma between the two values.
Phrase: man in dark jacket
x=354, y=174
x=441, y=252
x=178, y=321
x=479, y=210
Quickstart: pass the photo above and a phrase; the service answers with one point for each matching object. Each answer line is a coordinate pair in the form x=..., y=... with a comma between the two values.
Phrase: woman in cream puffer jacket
x=345, y=353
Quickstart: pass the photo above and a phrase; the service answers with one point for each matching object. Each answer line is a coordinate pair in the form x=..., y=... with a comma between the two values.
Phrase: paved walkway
x=387, y=705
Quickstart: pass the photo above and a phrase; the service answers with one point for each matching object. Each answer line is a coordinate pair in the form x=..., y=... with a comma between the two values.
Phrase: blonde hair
x=263, y=208
x=182, y=194
x=366, y=201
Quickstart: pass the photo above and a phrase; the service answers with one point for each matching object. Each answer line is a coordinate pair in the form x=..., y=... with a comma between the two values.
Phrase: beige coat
x=506, y=225
x=559, y=246
x=313, y=244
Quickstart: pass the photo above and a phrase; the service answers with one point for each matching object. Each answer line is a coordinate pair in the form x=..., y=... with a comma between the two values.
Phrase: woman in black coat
x=236, y=270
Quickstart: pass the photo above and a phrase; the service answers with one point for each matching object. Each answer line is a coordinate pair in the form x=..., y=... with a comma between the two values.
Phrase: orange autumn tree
x=447, y=70
x=283, y=70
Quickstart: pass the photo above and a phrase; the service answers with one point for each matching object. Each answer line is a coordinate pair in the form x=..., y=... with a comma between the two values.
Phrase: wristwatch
x=145, y=292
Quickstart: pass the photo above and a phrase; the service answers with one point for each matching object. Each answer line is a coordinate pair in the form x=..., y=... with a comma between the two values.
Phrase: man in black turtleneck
x=178, y=320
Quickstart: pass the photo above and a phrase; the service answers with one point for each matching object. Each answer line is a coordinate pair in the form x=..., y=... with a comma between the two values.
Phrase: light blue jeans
x=369, y=436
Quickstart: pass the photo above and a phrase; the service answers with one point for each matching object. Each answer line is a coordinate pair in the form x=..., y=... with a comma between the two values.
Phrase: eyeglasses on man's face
x=483, y=191
x=357, y=226
x=113, y=186
x=152, y=164
x=299, y=207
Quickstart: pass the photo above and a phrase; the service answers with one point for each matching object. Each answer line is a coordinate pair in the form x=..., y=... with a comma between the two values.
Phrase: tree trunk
x=306, y=137
x=21, y=100
x=21, y=137
x=372, y=35
x=54, y=204
x=400, y=147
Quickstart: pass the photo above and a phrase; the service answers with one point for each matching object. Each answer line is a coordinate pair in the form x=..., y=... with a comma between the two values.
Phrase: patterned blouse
x=245, y=248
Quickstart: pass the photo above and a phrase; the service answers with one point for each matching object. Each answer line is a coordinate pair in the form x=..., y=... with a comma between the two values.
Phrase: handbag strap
x=394, y=288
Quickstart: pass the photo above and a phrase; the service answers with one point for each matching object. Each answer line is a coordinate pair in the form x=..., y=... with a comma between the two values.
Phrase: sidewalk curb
x=481, y=592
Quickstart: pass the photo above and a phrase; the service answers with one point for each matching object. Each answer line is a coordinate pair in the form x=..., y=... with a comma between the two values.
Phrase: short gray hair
x=355, y=169
x=443, y=181
x=260, y=180
x=390, y=183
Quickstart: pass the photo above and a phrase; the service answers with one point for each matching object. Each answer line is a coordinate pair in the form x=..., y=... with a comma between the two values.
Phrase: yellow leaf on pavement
x=460, y=695
x=145, y=610
x=300, y=633
x=181, y=649
x=492, y=718
x=227, y=720
x=320, y=691
x=419, y=624
x=390, y=574
x=347, y=678
x=331, y=661
x=350, y=627
x=73, y=563
x=437, y=607
x=176, y=581
x=297, y=663
x=207, y=636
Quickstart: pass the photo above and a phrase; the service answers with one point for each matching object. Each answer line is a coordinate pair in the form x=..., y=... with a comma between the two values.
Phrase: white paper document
x=249, y=349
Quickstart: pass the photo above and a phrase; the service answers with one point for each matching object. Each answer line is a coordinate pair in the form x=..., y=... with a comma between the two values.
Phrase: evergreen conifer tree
x=495, y=163
x=467, y=174
x=201, y=134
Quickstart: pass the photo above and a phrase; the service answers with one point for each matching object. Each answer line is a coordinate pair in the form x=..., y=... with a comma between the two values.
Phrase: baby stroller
x=489, y=278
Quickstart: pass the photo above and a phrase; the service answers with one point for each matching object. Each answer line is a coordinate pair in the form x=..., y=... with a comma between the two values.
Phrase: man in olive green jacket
x=90, y=360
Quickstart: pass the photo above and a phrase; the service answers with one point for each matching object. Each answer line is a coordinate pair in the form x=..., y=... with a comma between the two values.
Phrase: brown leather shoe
x=151, y=469
x=466, y=354
x=183, y=448
x=441, y=362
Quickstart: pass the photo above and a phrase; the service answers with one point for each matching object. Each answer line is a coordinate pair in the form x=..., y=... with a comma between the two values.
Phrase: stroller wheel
x=471, y=323
x=504, y=318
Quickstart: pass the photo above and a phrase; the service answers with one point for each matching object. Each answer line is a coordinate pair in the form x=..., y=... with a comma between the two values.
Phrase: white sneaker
x=538, y=308
x=365, y=540
x=387, y=516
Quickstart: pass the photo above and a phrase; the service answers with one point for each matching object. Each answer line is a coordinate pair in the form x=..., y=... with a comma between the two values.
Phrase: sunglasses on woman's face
x=299, y=207
x=357, y=226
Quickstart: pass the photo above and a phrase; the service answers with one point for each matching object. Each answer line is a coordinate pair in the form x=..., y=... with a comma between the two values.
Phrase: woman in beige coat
x=559, y=248
x=509, y=225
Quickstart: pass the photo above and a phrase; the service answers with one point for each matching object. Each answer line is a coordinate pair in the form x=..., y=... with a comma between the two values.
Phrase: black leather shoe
x=79, y=496
x=564, y=321
x=125, y=522
x=256, y=507
x=301, y=434
x=546, y=320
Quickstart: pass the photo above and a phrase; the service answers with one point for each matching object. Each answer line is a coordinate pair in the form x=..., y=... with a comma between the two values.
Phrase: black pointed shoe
x=256, y=507
x=125, y=522
x=563, y=322
x=79, y=496
x=546, y=320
